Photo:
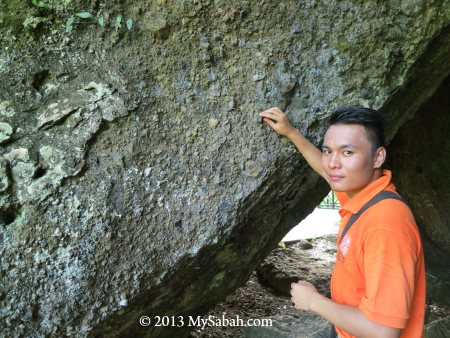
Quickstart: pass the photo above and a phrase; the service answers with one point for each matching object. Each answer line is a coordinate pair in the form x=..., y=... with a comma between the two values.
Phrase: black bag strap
x=333, y=333
x=382, y=195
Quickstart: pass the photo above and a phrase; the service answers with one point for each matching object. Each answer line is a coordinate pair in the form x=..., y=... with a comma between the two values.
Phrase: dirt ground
x=257, y=300
x=253, y=300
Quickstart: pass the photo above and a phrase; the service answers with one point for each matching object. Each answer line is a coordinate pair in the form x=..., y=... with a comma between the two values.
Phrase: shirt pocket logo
x=344, y=246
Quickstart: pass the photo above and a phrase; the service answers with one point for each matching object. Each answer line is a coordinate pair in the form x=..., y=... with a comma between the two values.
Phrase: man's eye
x=347, y=153
x=326, y=151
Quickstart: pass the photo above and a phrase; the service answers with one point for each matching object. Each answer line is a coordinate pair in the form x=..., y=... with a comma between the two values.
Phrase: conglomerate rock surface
x=135, y=175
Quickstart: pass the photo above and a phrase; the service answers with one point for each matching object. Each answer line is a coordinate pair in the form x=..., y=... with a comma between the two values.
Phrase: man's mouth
x=335, y=178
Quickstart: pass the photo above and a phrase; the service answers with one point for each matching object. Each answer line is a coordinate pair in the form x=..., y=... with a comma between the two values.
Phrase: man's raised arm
x=279, y=122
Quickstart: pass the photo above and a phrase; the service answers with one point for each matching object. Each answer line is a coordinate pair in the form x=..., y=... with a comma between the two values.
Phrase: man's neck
x=377, y=173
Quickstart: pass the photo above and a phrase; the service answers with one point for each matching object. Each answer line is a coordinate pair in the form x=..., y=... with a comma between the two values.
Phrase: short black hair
x=372, y=120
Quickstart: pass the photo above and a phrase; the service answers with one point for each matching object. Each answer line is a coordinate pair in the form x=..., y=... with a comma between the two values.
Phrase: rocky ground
x=267, y=297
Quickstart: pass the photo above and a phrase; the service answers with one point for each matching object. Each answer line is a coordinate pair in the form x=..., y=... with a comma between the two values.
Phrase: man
x=378, y=281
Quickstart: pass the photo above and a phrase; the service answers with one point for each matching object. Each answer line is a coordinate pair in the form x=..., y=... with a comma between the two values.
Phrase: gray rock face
x=438, y=329
x=134, y=170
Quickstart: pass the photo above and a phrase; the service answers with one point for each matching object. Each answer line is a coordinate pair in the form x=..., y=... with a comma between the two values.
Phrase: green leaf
x=84, y=15
x=129, y=23
x=101, y=21
x=40, y=4
x=118, y=21
x=69, y=24
x=43, y=5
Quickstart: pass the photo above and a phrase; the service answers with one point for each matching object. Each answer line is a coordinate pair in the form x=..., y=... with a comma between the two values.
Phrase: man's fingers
x=270, y=115
x=303, y=282
x=270, y=122
x=273, y=112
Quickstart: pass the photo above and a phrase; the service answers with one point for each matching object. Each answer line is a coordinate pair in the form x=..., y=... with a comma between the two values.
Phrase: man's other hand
x=301, y=295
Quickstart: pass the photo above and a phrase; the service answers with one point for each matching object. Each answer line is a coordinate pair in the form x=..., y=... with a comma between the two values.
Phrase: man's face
x=347, y=158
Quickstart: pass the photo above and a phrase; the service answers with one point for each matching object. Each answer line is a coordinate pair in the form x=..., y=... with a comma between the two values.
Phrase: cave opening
x=422, y=172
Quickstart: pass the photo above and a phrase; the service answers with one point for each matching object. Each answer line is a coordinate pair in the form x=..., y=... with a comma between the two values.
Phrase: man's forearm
x=310, y=152
x=351, y=319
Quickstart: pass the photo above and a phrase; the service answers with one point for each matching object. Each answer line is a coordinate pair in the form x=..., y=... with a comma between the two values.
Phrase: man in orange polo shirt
x=378, y=281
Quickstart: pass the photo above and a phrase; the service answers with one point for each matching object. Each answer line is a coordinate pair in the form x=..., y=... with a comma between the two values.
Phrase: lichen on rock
x=6, y=132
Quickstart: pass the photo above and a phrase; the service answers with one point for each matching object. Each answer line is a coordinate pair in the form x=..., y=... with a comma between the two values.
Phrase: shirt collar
x=355, y=203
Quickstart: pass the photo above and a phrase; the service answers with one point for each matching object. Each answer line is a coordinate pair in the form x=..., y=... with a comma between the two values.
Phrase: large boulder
x=134, y=170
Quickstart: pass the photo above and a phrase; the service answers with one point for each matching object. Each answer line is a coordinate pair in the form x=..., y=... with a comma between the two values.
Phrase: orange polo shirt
x=379, y=264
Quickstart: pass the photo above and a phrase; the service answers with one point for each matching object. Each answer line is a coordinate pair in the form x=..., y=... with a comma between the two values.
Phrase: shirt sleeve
x=389, y=267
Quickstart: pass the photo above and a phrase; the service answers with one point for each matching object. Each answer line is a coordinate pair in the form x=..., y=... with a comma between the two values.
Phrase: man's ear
x=380, y=157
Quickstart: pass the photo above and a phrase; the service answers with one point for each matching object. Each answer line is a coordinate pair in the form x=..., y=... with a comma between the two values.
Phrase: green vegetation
x=40, y=4
x=129, y=23
x=117, y=25
x=330, y=202
x=85, y=16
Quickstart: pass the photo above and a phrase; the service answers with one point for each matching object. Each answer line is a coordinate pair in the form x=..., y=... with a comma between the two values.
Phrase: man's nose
x=334, y=161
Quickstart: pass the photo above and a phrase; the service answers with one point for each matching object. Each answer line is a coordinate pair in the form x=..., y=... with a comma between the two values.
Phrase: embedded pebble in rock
x=5, y=132
x=4, y=179
x=6, y=109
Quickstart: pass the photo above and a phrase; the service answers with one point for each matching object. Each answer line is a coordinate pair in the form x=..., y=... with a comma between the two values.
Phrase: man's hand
x=302, y=293
x=349, y=318
x=278, y=121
